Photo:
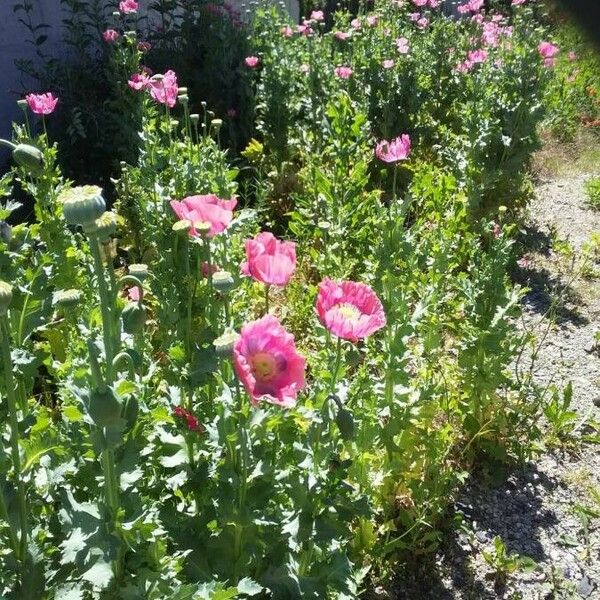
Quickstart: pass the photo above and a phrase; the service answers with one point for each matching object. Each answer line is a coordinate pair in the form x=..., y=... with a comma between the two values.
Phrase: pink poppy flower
x=388, y=63
x=110, y=36
x=138, y=81
x=287, y=31
x=372, y=20
x=317, y=15
x=464, y=67
x=423, y=22
x=41, y=104
x=402, y=45
x=518, y=2
x=548, y=52
x=434, y=3
x=414, y=17
x=304, y=29
x=128, y=7
x=205, y=269
x=355, y=24
x=477, y=56
x=251, y=61
x=269, y=260
x=190, y=420
x=144, y=46
x=394, y=150
x=524, y=262
x=419, y=3
x=349, y=310
x=341, y=35
x=343, y=72
x=164, y=89
x=133, y=293
x=267, y=363
x=205, y=208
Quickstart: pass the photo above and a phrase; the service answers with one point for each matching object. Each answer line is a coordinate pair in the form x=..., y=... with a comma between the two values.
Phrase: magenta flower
x=139, y=81
x=348, y=309
x=477, y=56
x=402, y=45
x=388, y=63
x=317, y=15
x=41, y=104
x=205, y=208
x=343, y=72
x=128, y=7
x=394, y=150
x=267, y=363
x=251, y=61
x=269, y=260
x=548, y=51
x=164, y=89
x=110, y=36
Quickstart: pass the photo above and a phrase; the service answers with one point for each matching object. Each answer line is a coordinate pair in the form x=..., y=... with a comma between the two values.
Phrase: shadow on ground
x=512, y=511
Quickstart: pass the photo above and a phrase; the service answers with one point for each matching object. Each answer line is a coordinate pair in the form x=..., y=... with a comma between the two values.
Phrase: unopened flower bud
x=139, y=270
x=225, y=342
x=82, y=205
x=5, y=297
x=182, y=226
x=29, y=157
x=66, y=298
x=223, y=281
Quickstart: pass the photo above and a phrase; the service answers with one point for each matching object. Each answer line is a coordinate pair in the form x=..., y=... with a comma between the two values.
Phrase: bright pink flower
x=394, y=150
x=205, y=208
x=341, y=35
x=110, y=36
x=414, y=17
x=343, y=72
x=138, y=81
x=128, y=7
x=251, y=61
x=547, y=50
x=388, y=63
x=287, y=31
x=477, y=56
x=267, y=363
x=402, y=45
x=164, y=89
x=518, y=2
x=144, y=46
x=41, y=104
x=133, y=293
x=191, y=422
x=349, y=309
x=317, y=15
x=372, y=20
x=269, y=260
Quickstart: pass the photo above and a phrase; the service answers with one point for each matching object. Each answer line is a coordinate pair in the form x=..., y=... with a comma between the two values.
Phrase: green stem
x=267, y=288
x=14, y=432
x=105, y=305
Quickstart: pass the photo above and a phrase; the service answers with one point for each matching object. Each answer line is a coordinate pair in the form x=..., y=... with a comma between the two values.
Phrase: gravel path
x=546, y=510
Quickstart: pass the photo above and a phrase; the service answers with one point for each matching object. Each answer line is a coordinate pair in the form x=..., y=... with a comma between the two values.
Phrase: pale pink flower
x=128, y=7
x=133, y=293
x=267, y=363
x=42, y=104
x=343, y=72
x=348, y=309
x=419, y=3
x=269, y=260
x=402, y=45
x=251, y=61
x=355, y=24
x=394, y=150
x=496, y=230
x=110, y=36
x=434, y=3
x=138, y=81
x=304, y=29
x=372, y=20
x=164, y=89
x=205, y=209
x=518, y=2
x=317, y=15
x=423, y=22
x=414, y=17
x=548, y=52
x=524, y=262
x=463, y=67
x=477, y=56
x=388, y=63
x=341, y=35
x=287, y=31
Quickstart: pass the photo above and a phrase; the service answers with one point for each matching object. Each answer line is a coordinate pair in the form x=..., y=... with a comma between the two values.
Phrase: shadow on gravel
x=512, y=511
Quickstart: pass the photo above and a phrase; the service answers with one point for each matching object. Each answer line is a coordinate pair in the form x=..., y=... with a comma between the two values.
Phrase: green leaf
x=100, y=574
x=249, y=586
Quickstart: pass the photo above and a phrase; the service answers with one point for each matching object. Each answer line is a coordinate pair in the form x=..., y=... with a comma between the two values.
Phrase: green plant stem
x=105, y=306
x=267, y=288
x=14, y=433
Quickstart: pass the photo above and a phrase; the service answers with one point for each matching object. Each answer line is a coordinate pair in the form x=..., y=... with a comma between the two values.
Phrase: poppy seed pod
x=182, y=226
x=133, y=317
x=106, y=225
x=202, y=227
x=29, y=157
x=183, y=98
x=217, y=123
x=105, y=407
x=82, y=205
x=223, y=281
x=5, y=297
x=225, y=342
x=182, y=90
x=66, y=298
x=22, y=104
x=195, y=118
x=139, y=271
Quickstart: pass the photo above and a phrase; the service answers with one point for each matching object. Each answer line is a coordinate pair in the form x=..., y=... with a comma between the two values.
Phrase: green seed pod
x=202, y=227
x=29, y=157
x=216, y=123
x=182, y=90
x=345, y=422
x=223, y=281
x=195, y=118
x=225, y=342
x=22, y=104
x=133, y=317
x=82, y=205
x=183, y=98
x=105, y=407
x=66, y=298
x=139, y=271
x=182, y=226
x=106, y=226
x=5, y=297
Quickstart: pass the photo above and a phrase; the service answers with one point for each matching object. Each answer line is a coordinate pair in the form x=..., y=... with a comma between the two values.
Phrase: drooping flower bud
x=29, y=157
x=5, y=297
x=82, y=205
x=139, y=271
x=66, y=298
x=223, y=281
x=225, y=342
